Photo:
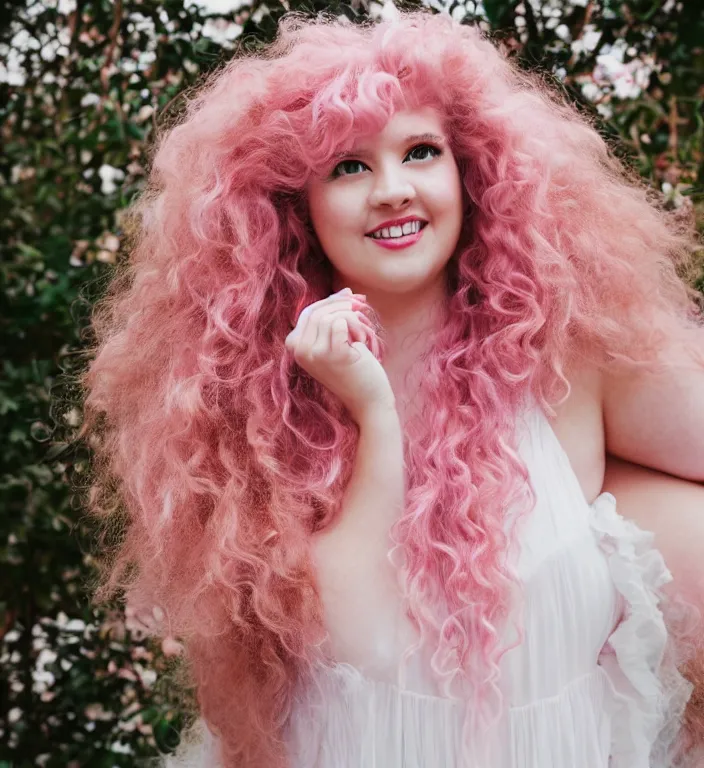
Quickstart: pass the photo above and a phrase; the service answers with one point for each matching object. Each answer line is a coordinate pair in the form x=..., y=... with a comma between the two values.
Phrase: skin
x=600, y=425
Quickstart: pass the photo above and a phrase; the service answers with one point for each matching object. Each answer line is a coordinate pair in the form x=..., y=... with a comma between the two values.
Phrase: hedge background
x=84, y=87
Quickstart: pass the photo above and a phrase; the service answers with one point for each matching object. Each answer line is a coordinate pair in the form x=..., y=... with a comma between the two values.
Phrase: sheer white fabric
x=590, y=686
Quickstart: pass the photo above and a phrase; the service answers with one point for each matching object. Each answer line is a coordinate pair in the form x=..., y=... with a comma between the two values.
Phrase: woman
x=390, y=306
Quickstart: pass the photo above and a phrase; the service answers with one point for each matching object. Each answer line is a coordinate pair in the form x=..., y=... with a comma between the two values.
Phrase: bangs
x=359, y=103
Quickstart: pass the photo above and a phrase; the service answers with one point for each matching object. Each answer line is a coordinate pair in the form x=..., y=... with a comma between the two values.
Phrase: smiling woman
x=355, y=393
x=397, y=169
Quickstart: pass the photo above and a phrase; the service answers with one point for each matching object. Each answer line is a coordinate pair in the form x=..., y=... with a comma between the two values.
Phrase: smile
x=394, y=237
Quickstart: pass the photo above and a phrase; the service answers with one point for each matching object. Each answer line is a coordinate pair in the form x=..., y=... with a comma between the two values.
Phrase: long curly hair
x=217, y=457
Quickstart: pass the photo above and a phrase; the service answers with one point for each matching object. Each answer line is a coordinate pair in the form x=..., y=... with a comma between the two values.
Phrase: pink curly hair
x=222, y=457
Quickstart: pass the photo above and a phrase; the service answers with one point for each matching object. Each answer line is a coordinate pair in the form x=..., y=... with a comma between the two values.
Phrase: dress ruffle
x=649, y=694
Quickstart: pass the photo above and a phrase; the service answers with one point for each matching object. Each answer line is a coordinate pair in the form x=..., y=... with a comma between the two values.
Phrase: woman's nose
x=392, y=189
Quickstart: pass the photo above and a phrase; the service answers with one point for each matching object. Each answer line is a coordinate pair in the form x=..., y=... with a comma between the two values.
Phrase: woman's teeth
x=409, y=228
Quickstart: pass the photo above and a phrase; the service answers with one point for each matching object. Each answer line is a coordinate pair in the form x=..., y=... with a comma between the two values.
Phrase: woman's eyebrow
x=408, y=140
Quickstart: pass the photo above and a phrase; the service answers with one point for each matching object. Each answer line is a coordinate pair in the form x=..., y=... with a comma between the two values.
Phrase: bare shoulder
x=579, y=427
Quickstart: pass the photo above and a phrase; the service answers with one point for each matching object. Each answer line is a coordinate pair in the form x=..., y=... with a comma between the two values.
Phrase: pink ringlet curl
x=217, y=457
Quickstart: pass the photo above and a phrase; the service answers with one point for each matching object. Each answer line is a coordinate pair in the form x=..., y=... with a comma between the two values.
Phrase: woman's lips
x=394, y=243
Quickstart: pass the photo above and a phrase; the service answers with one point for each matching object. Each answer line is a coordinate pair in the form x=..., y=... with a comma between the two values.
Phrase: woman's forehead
x=422, y=124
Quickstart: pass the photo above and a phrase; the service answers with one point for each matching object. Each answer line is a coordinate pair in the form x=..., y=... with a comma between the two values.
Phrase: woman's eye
x=420, y=149
x=343, y=164
x=417, y=153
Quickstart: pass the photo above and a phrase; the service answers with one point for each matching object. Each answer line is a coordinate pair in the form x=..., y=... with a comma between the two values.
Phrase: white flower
x=563, y=32
x=21, y=173
x=217, y=6
x=42, y=678
x=145, y=112
x=221, y=31
x=38, y=643
x=75, y=625
x=142, y=23
x=46, y=656
x=108, y=176
x=146, y=59
x=627, y=80
x=591, y=38
x=12, y=70
x=147, y=676
x=120, y=748
x=97, y=712
x=90, y=99
x=591, y=91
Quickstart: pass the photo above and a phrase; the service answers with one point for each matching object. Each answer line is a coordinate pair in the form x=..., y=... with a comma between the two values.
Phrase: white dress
x=589, y=687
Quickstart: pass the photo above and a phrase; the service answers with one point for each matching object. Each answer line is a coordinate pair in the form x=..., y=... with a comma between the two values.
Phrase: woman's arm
x=670, y=507
x=656, y=420
x=673, y=509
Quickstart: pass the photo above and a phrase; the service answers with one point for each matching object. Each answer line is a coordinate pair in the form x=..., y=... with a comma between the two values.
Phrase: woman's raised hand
x=330, y=343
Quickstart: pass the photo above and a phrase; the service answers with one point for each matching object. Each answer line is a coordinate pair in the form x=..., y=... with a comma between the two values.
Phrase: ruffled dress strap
x=649, y=694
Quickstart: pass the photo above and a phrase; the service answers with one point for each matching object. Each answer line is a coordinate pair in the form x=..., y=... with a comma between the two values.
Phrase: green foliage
x=78, y=688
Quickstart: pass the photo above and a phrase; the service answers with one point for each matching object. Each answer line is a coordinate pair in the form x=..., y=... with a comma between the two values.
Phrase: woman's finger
x=321, y=345
x=344, y=295
x=339, y=335
x=355, y=330
x=313, y=310
x=308, y=336
x=324, y=339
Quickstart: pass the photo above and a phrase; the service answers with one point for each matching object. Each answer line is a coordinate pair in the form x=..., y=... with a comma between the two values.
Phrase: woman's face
x=405, y=172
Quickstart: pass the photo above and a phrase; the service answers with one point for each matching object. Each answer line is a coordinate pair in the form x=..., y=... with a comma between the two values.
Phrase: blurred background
x=85, y=86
